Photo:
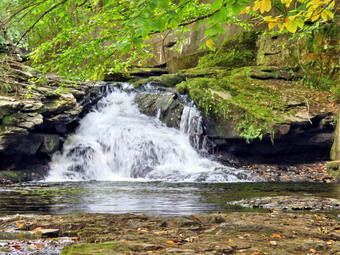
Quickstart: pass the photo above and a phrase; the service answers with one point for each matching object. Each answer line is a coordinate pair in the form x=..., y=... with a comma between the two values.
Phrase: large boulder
x=167, y=106
x=263, y=111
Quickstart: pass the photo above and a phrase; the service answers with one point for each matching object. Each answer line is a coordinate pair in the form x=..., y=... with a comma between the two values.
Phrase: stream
x=151, y=198
x=122, y=161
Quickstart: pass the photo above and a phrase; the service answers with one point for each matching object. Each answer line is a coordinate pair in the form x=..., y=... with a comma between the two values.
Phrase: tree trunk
x=335, y=152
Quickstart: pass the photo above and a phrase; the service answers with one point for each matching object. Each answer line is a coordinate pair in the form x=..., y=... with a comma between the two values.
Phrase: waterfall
x=116, y=142
x=192, y=125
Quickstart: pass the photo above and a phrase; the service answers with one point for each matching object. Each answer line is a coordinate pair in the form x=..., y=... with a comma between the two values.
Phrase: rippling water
x=153, y=198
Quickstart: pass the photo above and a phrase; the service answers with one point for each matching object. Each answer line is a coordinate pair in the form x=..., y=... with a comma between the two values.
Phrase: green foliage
x=87, y=38
x=336, y=92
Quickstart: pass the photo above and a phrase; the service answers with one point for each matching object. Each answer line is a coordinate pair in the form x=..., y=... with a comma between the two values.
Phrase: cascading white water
x=192, y=125
x=116, y=142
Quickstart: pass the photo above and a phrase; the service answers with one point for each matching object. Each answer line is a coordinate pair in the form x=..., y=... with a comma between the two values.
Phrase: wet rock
x=291, y=203
x=48, y=233
x=334, y=168
x=167, y=106
x=50, y=144
x=8, y=106
x=140, y=247
x=59, y=103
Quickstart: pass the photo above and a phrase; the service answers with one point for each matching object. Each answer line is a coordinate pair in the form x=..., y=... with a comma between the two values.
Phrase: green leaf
x=237, y=8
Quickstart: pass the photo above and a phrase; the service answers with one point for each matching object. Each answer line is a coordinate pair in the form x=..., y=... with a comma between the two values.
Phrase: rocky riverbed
x=290, y=203
x=234, y=233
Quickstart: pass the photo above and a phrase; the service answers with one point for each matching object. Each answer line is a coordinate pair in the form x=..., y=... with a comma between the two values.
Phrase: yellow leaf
x=210, y=43
x=268, y=18
x=266, y=5
x=173, y=243
x=20, y=224
x=257, y=5
x=281, y=26
x=286, y=2
x=329, y=13
x=271, y=25
x=315, y=17
x=313, y=251
x=245, y=10
x=291, y=26
x=276, y=236
x=324, y=15
x=300, y=23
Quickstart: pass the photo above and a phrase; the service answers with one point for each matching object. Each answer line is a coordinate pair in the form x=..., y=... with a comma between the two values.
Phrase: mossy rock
x=12, y=176
x=236, y=51
x=96, y=248
x=252, y=101
x=11, y=120
x=165, y=80
x=315, y=53
x=334, y=168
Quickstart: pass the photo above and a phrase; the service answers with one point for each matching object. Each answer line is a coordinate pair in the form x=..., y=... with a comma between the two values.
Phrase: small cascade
x=192, y=125
x=116, y=142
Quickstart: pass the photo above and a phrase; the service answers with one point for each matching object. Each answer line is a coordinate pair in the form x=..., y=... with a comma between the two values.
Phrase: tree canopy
x=85, y=38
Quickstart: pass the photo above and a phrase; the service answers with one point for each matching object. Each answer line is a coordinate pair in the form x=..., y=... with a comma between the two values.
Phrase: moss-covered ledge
x=254, y=101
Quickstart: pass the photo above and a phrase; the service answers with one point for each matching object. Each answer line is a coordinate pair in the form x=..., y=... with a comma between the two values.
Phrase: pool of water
x=152, y=198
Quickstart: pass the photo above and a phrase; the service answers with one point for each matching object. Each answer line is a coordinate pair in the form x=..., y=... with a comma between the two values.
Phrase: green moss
x=236, y=51
x=250, y=101
x=232, y=58
x=89, y=230
x=95, y=248
x=10, y=120
x=182, y=88
x=12, y=176
x=334, y=168
x=225, y=101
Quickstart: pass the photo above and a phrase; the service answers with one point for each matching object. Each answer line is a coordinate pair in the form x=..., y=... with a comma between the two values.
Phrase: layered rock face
x=36, y=113
x=266, y=98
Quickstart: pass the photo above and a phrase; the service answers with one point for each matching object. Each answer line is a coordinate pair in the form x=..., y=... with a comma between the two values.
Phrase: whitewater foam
x=115, y=142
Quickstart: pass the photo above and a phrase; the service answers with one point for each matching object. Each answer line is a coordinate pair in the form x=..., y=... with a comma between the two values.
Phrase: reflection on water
x=153, y=198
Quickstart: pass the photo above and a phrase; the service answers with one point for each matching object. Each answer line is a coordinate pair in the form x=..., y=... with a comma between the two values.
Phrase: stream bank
x=234, y=233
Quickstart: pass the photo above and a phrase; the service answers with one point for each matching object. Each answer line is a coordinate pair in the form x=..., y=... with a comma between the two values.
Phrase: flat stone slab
x=290, y=203
x=48, y=232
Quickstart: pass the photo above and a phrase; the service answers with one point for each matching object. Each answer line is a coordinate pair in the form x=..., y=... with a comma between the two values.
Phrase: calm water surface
x=152, y=198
